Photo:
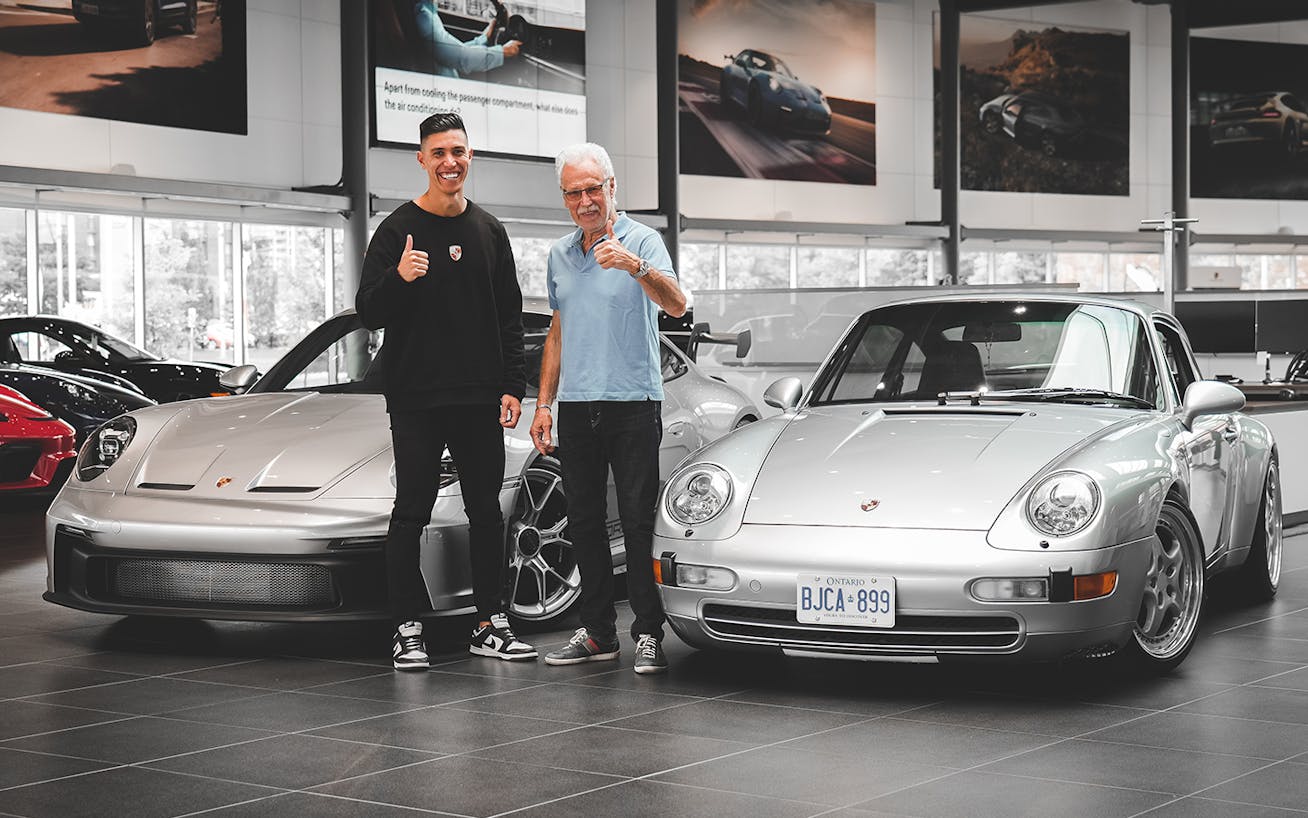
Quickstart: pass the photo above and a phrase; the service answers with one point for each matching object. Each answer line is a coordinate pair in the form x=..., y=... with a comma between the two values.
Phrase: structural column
x=669, y=164
x=1180, y=145
x=355, y=119
x=949, y=142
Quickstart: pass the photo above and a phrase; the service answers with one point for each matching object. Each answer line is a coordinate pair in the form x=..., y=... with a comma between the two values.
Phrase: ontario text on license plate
x=838, y=599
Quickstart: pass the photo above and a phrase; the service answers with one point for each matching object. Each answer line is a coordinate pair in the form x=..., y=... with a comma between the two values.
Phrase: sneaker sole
x=412, y=666
x=494, y=654
x=645, y=670
x=594, y=657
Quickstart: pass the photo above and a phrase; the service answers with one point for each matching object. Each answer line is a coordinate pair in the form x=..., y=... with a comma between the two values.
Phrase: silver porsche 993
x=1031, y=477
x=274, y=504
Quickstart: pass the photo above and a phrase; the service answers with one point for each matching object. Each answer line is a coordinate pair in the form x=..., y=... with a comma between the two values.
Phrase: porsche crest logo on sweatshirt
x=456, y=252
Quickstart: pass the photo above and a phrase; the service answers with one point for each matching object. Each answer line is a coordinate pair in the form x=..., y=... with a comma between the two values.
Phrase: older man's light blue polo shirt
x=610, y=327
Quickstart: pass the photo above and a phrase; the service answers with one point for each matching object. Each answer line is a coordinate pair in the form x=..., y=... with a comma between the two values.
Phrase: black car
x=83, y=403
x=137, y=20
x=78, y=349
x=1035, y=118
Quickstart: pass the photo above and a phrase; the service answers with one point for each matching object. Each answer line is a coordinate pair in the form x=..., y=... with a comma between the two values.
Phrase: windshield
x=343, y=356
x=122, y=349
x=914, y=352
x=767, y=62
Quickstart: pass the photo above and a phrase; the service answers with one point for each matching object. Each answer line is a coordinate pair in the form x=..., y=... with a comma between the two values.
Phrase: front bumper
x=804, y=117
x=323, y=560
x=935, y=616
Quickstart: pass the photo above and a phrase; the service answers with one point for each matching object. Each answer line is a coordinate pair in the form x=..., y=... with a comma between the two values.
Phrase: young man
x=607, y=281
x=439, y=276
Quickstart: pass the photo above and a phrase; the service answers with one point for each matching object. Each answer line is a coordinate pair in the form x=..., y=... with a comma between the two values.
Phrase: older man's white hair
x=583, y=152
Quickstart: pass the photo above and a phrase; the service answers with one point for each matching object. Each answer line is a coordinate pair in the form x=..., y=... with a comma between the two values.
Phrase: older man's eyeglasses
x=592, y=192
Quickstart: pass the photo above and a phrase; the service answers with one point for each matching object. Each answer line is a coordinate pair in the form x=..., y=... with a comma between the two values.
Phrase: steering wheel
x=1298, y=368
x=66, y=356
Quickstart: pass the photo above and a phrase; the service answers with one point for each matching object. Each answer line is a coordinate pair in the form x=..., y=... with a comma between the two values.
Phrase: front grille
x=911, y=634
x=265, y=584
x=17, y=460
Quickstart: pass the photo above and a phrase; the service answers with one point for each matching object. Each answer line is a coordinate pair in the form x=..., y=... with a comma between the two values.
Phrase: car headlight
x=698, y=494
x=104, y=446
x=1063, y=503
x=773, y=84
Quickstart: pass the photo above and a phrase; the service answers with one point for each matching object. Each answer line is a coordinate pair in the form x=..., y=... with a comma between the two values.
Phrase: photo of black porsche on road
x=775, y=89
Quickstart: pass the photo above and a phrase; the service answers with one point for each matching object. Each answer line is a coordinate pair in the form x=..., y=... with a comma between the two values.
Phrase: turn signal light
x=1093, y=586
x=658, y=571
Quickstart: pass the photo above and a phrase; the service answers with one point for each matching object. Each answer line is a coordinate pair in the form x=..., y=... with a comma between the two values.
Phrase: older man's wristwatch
x=643, y=270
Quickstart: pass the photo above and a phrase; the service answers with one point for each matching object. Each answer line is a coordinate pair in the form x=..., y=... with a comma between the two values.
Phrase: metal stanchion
x=1172, y=226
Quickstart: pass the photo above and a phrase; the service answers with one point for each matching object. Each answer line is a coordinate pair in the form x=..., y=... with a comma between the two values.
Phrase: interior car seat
x=951, y=366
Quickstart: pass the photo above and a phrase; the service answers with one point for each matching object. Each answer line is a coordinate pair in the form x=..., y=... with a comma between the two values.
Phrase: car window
x=672, y=365
x=38, y=347
x=1179, y=366
x=1293, y=103
x=865, y=374
x=345, y=361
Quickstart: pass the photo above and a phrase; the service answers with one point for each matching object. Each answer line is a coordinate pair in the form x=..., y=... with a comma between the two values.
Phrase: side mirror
x=784, y=394
x=239, y=378
x=1209, y=398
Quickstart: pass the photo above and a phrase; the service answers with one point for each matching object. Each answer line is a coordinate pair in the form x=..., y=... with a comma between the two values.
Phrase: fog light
x=1019, y=589
x=1093, y=586
x=705, y=576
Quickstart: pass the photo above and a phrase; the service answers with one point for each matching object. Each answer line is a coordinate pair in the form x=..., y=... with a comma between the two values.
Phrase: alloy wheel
x=544, y=578
x=1174, y=587
x=1272, y=523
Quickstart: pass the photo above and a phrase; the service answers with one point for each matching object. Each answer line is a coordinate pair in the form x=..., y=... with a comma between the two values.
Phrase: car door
x=1211, y=448
x=1012, y=111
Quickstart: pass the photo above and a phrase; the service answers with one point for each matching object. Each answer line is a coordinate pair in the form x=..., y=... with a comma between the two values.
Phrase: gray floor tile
x=1025, y=715
x=18, y=768
x=444, y=730
x=647, y=798
x=920, y=742
x=133, y=791
x=144, y=662
x=1292, y=680
x=737, y=721
x=971, y=794
x=137, y=739
x=432, y=687
x=1197, y=807
x=1158, y=769
x=314, y=805
x=612, y=751
x=580, y=705
x=151, y=696
x=1261, y=703
x=292, y=762
x=1202, y=733
x=779, y=772
x=447, y=784
x=25, y=718
x=44, y=677
x=1204, y=664
x=289, y=712
x=282, y=673
x=1280, y=785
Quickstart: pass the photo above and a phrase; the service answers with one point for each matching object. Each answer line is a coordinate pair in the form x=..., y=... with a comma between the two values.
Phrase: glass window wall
x=758, y=266
x=827, y=266
x=13, y=262
x=189, y=293
x=285, y=288
x=87, y=264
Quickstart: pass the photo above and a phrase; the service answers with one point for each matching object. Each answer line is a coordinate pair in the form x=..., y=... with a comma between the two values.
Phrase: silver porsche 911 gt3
x=1043, y=477
x=273, y=505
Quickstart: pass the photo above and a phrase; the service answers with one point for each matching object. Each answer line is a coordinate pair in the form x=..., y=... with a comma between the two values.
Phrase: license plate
x=838, y=599
x=1238, y=130
x=89, y=8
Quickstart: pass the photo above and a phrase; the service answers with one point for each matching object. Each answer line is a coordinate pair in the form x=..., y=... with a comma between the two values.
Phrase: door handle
x=677, y=429
x=1230, y=434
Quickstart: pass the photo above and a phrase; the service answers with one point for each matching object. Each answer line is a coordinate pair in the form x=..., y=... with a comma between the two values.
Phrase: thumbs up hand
x=413, y=263
x=611, y=254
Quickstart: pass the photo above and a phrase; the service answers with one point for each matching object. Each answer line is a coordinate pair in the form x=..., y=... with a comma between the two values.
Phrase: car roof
x=537, y=304
x=1145, y=311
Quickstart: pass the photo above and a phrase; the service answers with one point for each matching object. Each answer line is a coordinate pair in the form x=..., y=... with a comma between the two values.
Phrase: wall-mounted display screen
x=1218, y=326
x=1043, y=108
x=515, y=71
x=1248, y=120
x=179, y=64
x=778, y=89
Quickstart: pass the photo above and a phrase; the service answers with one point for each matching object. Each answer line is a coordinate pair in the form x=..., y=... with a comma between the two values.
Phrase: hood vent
x=924, y=411
x=284, y=489
x=166, y=486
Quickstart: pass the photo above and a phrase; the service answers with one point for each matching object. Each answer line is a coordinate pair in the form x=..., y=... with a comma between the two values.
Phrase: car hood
x=913, y=467
x=799, y=89
x=288, y=445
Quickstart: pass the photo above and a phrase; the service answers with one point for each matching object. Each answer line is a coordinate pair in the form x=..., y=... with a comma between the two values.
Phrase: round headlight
x=773, y=84
x=1063, y=503
x=698, y=494
x=104, y=446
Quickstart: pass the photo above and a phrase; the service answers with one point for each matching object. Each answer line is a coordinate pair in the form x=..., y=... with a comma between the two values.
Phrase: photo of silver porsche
x=1035, y=477
x=273, y=504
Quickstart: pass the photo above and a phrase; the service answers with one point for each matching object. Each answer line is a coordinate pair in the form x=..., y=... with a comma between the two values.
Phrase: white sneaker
x=408, y=651
x=497, y=640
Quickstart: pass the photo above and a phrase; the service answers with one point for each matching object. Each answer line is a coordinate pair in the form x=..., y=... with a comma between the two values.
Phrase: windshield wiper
x=1063, y=393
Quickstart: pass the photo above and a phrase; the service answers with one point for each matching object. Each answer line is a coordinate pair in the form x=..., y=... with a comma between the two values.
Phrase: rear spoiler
x=700, y=334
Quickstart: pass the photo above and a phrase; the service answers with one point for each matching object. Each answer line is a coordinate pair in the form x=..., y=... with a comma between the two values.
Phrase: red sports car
x=33, y=444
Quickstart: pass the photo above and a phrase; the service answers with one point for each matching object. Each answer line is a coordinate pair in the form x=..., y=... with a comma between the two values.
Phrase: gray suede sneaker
x=649, y=655
x=582, y=648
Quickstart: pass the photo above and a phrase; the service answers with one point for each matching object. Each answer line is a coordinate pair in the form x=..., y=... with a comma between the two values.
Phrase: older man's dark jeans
x=592, y=437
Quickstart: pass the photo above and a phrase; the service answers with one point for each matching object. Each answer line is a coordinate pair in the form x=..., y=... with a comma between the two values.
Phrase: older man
x=607, y=281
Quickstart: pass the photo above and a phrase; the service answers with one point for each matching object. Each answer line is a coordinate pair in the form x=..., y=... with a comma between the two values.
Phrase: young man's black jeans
x=476, y=442
x=625, y=435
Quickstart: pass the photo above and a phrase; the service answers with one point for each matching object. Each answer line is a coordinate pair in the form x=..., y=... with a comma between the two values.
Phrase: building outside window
x=87, y=266
x=13, y=262
x=189, y=294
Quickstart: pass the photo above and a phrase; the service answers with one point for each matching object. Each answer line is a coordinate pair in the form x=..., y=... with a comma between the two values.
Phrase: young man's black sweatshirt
x=453, y=336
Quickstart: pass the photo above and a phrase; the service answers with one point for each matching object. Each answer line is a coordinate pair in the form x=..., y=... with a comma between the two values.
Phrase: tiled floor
x=108, y=716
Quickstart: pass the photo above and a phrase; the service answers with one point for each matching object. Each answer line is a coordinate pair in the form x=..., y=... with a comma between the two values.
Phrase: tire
x=1260, y=575
x=1048, y=145
x=191, y=21
x=1290, y=143
x=1168, y=620
x=755, y=108
x=991, y=123
x=544, y=580
x=724, y=98
x=145, y=27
